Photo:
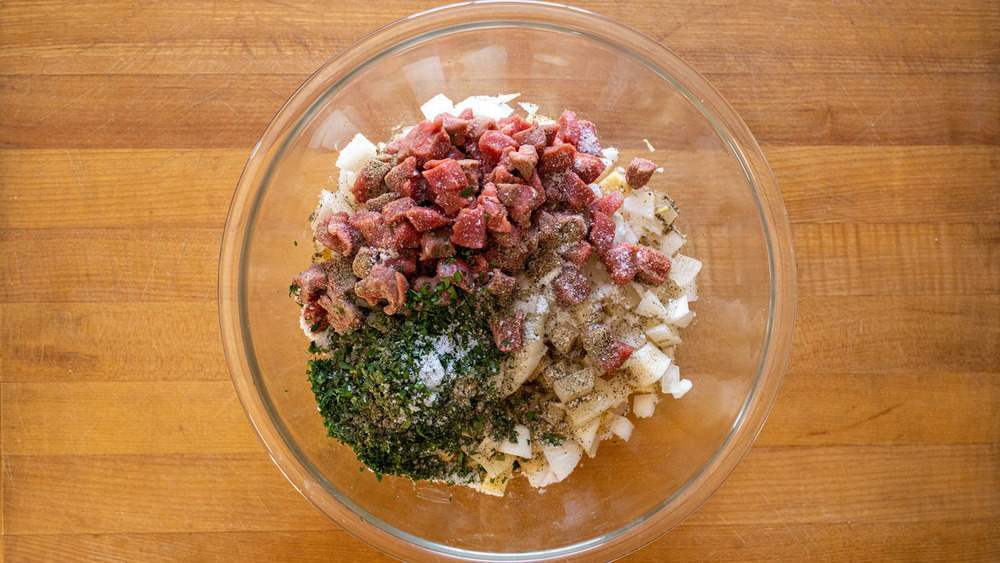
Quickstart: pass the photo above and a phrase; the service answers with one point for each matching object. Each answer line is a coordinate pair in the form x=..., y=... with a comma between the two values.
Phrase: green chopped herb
x=467, y=192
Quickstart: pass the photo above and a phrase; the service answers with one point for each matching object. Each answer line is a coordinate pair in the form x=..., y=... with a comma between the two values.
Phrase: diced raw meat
x=384, y=284
x=426, y=141
x=396, y=209
x=509, y=239
x=579, y=253
x=448, y=269
x=639, y=172
x=501, y=285
x=652, y=267
x=608, y=353
x=508, y=331
x=608, y=204
x=470, y=228
x=436, y=244
x=619, y=261
x=371, y=225
x=575, y=192
x=587, y=167
x=513, y=124
x=449, y=186
x=427, y=218
x=602, y=231
x=336, y=233
x=402, y=235
x=401, y=177
x=311, y=282
x=524, y=160
x=494, y=211
x=492, y=145
x=571, y=286
x=556, y=159
x=533, y=136
x=371, y=180
x=341, y=314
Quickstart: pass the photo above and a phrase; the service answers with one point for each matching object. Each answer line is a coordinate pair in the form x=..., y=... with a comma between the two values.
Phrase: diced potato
x=554, y=413
x=574, y=385
x=592, y=450
x=523, y=362
x=621, y=427
x=663, y=335
x=683, y=269
x=646, y=365
x=651, y=307
x=563, y=459
x=520, y=448
x=587, y=433
x=644, y=405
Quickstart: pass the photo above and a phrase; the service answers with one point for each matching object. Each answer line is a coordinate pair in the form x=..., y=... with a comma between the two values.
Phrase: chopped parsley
x=373, y=397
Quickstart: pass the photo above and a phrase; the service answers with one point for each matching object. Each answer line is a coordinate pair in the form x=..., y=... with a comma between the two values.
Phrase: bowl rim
x=554, y=17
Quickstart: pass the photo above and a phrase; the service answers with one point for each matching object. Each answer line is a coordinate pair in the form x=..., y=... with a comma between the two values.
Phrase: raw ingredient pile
x=488, y=292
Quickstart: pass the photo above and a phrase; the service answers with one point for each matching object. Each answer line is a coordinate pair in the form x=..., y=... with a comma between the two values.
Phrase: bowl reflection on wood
x=634, y=90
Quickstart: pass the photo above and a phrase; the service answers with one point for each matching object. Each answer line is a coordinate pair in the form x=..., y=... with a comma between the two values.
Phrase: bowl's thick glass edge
x=774, y=357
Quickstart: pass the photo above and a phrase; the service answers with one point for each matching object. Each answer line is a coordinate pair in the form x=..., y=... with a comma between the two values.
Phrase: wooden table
x=123, y=130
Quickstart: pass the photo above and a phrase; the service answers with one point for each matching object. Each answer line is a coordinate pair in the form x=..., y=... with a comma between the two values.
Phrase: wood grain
x=224, y=111
x=124, y=128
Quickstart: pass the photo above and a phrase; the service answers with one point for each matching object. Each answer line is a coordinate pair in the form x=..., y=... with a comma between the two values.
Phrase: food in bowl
x=488, y=290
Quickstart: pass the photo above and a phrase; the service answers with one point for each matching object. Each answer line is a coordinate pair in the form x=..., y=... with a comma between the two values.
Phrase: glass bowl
x=634, y=90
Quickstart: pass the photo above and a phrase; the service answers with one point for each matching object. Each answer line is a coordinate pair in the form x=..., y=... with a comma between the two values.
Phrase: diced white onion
x=520, y=448
x=644, y=405
x=436, y=106
x=356, y=154
x=683, y=269
x=563, y=459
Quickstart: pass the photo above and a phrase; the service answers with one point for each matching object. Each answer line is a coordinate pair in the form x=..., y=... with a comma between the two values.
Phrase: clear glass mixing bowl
x=634, y=90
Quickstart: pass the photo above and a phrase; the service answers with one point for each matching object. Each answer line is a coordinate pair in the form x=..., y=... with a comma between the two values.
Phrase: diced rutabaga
x=621, y=427
x=683, y=269
x=574, y=384
x=673, y=384
x=586, y=435
x=356, y=154
x=644, y=405
x=494, y=107
x=613, y=182
x=520, y=448
x=663, y=335
x=650, y=306
x=671, y=242
x=646, y=365
x=678, y=313
x=640, y=204
x=495, y=485
x=436, y=106
x=563, y=459
x=494, y=465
